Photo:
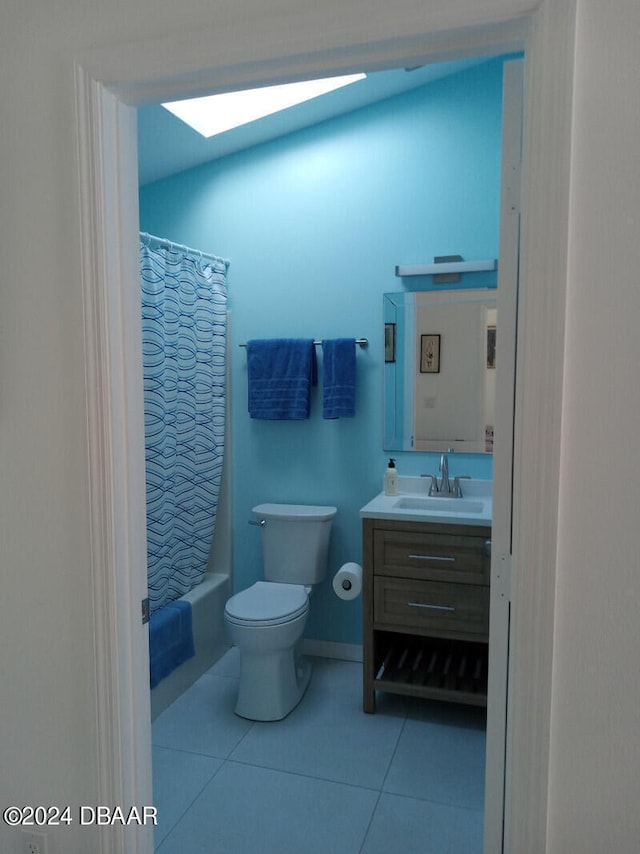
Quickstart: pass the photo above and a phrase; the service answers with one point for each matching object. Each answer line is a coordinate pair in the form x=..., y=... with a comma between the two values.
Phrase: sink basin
x=414, y=504
x=430, y=504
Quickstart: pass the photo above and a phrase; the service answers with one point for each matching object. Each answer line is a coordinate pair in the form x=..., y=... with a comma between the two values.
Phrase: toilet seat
x=267, y=603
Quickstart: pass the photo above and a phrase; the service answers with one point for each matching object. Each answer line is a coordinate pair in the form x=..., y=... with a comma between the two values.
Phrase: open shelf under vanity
x=436, y=668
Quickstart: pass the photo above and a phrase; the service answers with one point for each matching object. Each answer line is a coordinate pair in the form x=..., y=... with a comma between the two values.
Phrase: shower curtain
x=184, y=297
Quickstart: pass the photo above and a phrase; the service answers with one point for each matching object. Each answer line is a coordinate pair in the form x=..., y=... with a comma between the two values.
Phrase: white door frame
x=109, y=80
x=503, y=464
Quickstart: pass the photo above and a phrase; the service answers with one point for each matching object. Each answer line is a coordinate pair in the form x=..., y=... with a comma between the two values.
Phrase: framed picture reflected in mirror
x=389, y=342
x=429, y=354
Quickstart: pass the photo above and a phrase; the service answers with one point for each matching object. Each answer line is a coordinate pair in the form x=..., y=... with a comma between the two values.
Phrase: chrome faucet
x=445, y=485
x=445, y=489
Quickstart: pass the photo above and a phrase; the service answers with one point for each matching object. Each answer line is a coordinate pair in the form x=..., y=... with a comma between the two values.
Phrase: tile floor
x=327, y=779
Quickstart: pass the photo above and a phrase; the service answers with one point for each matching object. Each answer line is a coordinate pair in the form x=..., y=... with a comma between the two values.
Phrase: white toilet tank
x=295, y=541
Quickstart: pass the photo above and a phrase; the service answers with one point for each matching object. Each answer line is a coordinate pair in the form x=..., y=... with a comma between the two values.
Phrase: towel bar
x=362, y=342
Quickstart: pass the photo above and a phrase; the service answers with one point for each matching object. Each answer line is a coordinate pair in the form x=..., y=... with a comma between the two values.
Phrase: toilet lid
x=268, y=603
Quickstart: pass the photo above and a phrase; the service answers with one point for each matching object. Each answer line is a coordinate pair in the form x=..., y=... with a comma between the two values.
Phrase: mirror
x=439, y=372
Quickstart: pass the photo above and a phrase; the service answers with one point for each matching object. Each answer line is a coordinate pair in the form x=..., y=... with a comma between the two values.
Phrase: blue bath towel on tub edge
x=170, y=639
x=281, y=372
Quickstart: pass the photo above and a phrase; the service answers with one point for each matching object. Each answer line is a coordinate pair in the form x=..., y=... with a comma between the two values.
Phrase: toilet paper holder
x=347, y=582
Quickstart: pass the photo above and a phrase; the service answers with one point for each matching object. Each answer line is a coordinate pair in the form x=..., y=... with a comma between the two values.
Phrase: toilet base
x=272, y=683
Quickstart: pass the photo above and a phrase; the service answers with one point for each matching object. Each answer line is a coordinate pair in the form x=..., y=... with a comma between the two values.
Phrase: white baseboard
x=329, y=649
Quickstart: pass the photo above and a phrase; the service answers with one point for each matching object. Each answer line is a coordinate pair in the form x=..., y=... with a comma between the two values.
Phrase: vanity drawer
x=435, y=556
x=431, y=607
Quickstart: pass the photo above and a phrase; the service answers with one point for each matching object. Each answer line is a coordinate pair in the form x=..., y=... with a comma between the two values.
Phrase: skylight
x=217, y=113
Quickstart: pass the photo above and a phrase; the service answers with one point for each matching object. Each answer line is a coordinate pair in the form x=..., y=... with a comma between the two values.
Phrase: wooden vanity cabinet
x=425, y=610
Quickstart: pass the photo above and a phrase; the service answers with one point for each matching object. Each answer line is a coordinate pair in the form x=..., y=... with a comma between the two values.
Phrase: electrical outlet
x=35, y=842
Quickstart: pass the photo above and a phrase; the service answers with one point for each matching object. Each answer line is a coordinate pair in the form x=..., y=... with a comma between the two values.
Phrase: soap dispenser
x=391, y=479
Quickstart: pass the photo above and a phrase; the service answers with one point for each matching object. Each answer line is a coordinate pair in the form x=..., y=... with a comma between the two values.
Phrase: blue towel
x=170, y=639
x=281, y=372
x=339, y=378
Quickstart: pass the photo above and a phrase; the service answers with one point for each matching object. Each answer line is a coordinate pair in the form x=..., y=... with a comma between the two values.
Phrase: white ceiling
x=166, y=145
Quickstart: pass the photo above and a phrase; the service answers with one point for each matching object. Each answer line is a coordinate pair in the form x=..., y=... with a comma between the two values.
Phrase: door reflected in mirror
x=439, y=389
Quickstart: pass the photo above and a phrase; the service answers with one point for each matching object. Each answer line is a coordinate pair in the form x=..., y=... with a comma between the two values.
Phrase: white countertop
x=412, y=504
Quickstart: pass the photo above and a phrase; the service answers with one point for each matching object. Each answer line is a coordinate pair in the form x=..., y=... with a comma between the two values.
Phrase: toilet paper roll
x=347, y=582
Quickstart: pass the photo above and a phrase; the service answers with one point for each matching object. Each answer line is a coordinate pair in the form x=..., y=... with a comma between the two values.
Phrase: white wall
x=595, y=760
x=47, y=662
x=449, y=404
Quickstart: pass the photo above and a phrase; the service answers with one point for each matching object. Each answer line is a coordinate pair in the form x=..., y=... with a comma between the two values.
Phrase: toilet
x=266, y=621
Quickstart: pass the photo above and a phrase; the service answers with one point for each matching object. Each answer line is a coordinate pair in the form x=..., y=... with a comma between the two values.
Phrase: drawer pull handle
x=431, y=607
x=433, y=557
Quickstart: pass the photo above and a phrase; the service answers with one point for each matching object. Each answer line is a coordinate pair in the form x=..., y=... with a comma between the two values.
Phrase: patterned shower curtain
x=184, y=297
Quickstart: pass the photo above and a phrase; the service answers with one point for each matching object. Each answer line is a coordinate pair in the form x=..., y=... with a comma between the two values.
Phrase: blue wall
x=314, y=224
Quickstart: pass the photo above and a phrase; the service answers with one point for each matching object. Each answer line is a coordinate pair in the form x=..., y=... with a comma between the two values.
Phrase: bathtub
x=207, y=609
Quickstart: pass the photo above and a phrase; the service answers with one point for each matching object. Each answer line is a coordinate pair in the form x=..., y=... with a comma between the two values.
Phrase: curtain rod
x=362, y=342
x=169, y=244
